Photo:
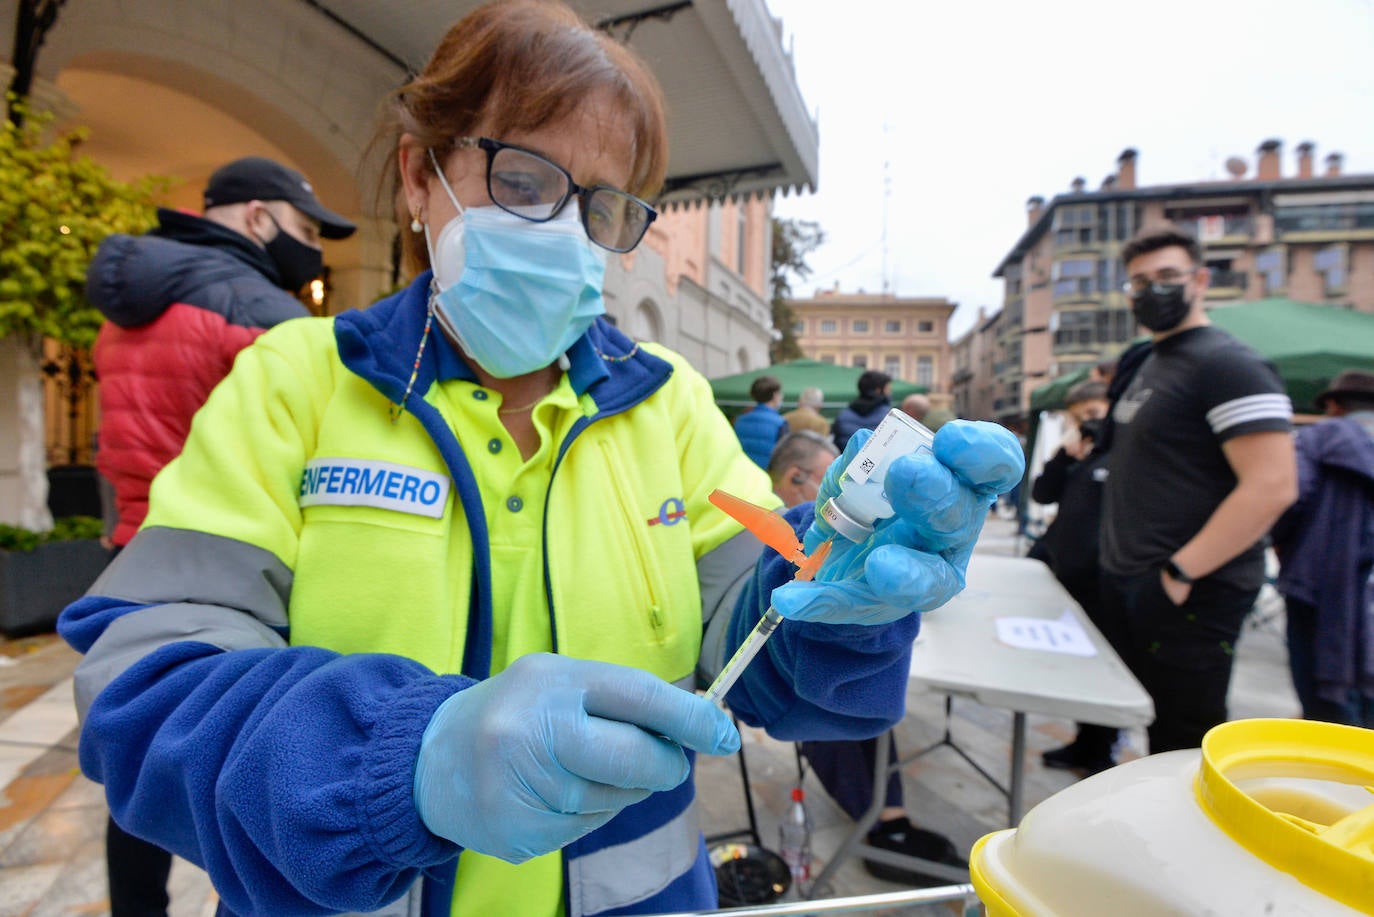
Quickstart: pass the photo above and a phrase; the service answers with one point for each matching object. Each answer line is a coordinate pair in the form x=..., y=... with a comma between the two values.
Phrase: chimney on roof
x=1034, y=207
x=1305, y=158
x=1109, y=182
x=1267, y=168
x=1078, y=184
x=1125, y=170
x=1333, y=164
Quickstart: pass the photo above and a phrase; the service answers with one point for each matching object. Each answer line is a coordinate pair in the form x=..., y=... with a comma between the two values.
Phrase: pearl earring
x=415, y=224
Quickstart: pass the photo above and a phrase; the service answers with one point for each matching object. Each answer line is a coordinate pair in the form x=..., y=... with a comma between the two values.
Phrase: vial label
x=898, y=434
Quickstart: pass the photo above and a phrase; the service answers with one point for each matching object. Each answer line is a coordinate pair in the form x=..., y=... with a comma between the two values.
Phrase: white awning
x=737, y=123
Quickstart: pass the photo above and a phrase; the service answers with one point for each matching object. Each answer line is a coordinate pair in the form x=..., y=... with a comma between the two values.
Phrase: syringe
x=775, y=532
x=852, y=512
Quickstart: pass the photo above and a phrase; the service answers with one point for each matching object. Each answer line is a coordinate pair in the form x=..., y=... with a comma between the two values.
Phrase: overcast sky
x=976, y=106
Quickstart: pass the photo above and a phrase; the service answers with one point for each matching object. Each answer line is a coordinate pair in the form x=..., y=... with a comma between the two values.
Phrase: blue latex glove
x=551, y=748
x=915, y=559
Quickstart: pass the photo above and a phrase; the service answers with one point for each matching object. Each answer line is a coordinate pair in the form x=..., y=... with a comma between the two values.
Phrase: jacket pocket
x=632, y=529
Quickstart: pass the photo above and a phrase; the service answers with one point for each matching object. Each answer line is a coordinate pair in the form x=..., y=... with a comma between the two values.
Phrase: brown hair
x=1087, y=390
x=764, y=388
x=521, y=64
x=1161, y=235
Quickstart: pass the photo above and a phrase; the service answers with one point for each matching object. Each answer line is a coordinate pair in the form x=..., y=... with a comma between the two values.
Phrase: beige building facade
x=177, y=89
x=1306, y=235
x=905, y=337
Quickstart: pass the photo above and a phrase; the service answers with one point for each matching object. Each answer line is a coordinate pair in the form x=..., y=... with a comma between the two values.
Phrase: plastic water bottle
x=794, y=841
x=862, y=500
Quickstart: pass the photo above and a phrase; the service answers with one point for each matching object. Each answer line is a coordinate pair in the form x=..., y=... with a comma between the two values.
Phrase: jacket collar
x=380, y=343
x=194, y=230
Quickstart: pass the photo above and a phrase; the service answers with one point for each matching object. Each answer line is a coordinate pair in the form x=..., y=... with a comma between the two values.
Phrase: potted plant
x=43, y=572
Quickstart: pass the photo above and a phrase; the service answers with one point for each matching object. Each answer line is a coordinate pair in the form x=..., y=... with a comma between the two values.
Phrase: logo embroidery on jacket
x=671, y=512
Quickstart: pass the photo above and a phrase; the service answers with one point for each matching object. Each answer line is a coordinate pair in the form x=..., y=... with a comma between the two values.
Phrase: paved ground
x=52, y=819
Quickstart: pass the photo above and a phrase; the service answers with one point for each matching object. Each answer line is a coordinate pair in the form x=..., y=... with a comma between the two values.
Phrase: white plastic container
x=1270, y=817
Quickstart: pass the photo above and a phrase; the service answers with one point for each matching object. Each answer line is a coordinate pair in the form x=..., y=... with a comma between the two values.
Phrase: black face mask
x=1160, y=306
x=1091, y=429
x=297, y=263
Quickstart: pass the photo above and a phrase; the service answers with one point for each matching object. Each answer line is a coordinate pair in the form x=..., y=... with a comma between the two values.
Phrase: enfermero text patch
x=359, y=482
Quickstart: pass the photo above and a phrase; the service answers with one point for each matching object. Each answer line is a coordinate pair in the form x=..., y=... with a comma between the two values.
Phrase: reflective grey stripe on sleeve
x=722, y=574
x=201, y=587
x=182, y=565
x=626, y=873
x=407, y=906
x=133, y=636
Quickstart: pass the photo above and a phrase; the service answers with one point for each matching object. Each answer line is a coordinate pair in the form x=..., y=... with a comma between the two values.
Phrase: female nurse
x=408, y=625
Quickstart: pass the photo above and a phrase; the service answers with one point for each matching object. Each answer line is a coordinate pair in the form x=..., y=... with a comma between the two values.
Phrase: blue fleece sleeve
x=285, y=773
x=814, y=680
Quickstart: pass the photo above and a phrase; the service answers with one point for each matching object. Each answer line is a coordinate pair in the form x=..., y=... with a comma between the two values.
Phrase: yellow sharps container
x=1271, y=818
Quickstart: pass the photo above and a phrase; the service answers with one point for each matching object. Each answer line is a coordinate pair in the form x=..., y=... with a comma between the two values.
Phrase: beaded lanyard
x=398, y=409
x=633, y=350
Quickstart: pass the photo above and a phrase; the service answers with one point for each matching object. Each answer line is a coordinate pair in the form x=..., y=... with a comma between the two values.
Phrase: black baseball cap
x=255, y=178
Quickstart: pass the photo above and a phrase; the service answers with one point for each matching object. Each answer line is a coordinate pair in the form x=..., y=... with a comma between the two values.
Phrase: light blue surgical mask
x=514, y=294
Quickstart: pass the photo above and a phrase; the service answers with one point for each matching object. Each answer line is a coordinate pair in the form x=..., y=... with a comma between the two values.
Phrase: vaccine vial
x=861, y=501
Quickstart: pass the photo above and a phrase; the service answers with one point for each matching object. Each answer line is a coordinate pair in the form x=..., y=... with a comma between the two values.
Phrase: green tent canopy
x=1309, y=343
x=839, y=383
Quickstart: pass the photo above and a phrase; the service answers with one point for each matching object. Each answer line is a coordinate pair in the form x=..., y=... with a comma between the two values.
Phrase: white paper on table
x=1062, y=635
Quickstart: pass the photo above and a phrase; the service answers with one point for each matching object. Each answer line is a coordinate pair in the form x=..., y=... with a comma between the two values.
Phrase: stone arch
x=647, y=322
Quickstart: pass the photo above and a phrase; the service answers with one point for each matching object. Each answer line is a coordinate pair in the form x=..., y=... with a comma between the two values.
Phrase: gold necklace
x=524, y=407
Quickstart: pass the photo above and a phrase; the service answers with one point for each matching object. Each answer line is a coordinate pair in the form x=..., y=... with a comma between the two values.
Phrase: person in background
x=918, y=407
x=807, y=414
x=1325, y=544
x=416, y=616
x=1200, y=466
x=845, y=767
x=180, y=303
x=1073, y=478
x=760, y=428
x=866, y=411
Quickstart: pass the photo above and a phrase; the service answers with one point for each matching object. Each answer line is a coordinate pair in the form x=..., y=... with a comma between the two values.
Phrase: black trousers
x=1086, y=588
x=138, y=874
x=845, y=769
x=1182, y=654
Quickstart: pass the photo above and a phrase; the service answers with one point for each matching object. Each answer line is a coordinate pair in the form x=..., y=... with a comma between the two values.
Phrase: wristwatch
x=1176, y=573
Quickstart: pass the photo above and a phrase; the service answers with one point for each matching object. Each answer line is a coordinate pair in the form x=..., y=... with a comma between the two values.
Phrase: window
x=799, y=326
x=1074, y=225
x=892, y=365
x=829, y=326
x=1074, y=276
x=925, y=327
x=1330, y=263
x=892, y=326
x=1223, y=275
x=925, y=370
x=1325, y=217
x=859, y=362
x=1273, y=270
x=859, y=326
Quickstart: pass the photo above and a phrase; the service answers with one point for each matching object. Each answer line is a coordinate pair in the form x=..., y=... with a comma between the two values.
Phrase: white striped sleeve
x=1249, y=409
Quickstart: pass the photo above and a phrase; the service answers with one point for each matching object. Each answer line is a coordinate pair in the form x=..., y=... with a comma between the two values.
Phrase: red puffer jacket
x=181, y=302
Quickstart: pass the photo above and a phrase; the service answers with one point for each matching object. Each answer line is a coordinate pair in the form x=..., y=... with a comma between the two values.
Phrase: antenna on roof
x=887, y=196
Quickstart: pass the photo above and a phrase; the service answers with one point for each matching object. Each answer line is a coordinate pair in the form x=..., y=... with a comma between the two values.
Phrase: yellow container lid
x=1269, y=816
x=1336, y=859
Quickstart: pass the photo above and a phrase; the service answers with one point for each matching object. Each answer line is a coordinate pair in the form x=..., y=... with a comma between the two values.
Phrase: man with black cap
x=1325, y=543
x=181, y=302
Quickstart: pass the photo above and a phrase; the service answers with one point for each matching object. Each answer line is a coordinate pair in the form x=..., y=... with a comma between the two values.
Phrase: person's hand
x=915, y=559
x=1175, y=591
x=1075, y=446
x=552, y=748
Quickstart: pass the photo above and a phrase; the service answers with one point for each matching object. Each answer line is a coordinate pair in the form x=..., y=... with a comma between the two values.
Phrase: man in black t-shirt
x=1201, y=465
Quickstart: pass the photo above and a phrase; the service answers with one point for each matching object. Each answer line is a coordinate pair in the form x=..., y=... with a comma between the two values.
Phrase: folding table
x=959, y=654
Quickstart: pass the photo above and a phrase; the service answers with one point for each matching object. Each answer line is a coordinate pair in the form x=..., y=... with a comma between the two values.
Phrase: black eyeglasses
x=1166, y=277
x=533, y=188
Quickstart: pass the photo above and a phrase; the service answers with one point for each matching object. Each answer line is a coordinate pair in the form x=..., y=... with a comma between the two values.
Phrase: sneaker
x=900, y=836
x=1073, y=757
